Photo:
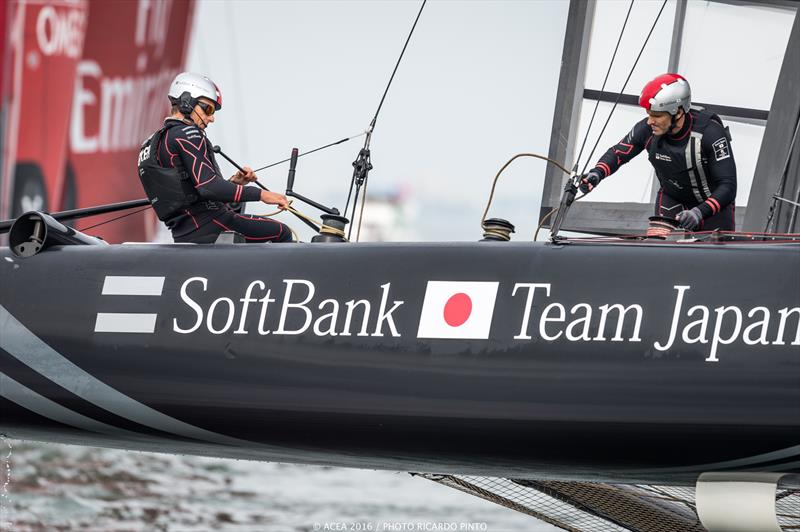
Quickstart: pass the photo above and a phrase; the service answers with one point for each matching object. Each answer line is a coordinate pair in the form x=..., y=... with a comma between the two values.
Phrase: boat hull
x=626, y=363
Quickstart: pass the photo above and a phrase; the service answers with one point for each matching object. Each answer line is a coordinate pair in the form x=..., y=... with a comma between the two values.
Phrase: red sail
x=131, y=53
x=42, y=45
x=82, y=84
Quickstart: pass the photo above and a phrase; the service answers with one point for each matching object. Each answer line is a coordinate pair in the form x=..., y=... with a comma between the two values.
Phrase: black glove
x=590, y=180
x=690, y=220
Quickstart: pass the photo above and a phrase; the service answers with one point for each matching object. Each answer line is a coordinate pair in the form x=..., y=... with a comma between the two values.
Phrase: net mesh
x=601, y=507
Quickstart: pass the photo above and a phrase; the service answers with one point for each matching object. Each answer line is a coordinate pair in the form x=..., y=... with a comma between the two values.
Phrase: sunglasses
x=207, y=108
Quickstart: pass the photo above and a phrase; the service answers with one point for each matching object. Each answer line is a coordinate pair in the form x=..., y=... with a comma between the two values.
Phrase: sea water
x=49, y=487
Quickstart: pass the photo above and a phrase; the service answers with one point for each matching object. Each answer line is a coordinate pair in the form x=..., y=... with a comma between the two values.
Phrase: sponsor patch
x=457, y=309
x=144, y=154
x=721, y=149
x=662, y=157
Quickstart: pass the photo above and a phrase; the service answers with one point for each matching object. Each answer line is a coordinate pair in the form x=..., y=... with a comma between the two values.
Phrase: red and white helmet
x=197, y=86
x=667, y=93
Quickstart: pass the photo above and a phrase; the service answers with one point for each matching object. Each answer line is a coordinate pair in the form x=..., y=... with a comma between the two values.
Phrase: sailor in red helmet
x=690, y=151
x=183, y=181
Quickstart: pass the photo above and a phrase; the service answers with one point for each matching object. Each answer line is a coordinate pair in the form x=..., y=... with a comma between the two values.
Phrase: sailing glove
x=590, y=180
x=690, y=220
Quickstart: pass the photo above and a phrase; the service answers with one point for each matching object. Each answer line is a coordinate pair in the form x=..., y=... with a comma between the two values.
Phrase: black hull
x=615, y=404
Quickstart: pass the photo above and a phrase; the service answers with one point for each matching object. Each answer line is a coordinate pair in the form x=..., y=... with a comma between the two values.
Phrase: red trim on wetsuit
x=714, y=204
x=625, y=152
x=197, y=169
x=193, y=219
x=166, y=146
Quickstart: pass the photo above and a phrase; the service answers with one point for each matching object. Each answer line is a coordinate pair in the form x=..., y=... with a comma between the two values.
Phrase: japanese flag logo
x=457, y=309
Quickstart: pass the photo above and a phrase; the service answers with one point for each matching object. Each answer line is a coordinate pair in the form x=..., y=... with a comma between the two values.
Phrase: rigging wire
x=622, y=91
x=363, y=156
x=116, y=218
x=311, y=151
x=391, y=78
x=605, y=80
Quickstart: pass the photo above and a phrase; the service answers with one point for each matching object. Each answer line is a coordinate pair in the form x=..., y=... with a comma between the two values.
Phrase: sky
x=476, y=86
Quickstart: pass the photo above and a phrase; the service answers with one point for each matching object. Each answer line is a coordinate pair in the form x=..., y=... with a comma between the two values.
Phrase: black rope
x=623, y=86
x=115, y=219
x=375, y=118
x=306, y=153
x=608, y=73
x=362, y=165
x=385, y=92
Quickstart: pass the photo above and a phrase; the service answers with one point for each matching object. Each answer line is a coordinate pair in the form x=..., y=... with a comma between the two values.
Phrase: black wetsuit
x=185, y=146
x=695, y=167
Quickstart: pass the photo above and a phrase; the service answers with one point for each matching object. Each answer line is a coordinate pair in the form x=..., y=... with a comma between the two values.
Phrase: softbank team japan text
x=295, y=308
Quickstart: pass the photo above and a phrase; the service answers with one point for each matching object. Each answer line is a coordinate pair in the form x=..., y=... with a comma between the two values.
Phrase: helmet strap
x=674, y=119
x=199, y=118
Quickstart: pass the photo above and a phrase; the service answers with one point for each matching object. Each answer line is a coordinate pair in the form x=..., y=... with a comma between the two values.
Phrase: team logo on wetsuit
x=721, y=149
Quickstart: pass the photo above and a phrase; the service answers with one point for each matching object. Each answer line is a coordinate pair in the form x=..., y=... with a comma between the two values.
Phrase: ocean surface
x=49, y=487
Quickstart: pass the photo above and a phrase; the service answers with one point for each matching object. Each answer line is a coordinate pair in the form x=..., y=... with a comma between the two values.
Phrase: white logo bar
x=120, y=285
x=120, y=322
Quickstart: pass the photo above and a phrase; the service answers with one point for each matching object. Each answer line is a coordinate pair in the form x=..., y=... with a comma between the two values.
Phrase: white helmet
x=667, y=93
x=187, y=87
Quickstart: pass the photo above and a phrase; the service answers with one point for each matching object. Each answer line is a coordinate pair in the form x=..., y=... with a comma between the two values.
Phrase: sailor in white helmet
x=183, y=181
x=690, y=151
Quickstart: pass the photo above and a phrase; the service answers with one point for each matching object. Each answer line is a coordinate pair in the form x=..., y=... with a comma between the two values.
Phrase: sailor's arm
x=246, y=175
x=617, y=155
x=625, y=150
x=717, y=152
x=190, y=145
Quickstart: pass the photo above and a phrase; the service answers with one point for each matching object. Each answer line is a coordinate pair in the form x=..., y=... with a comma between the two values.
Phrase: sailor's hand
x=243, y=178
x=590, y=180
x=273, y=198
x=690, y=220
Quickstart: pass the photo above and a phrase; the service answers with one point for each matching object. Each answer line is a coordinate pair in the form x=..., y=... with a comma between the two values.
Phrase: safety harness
x=169, y=190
